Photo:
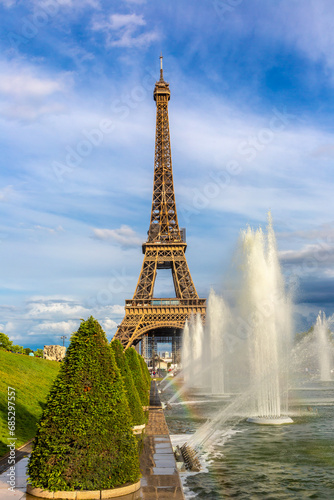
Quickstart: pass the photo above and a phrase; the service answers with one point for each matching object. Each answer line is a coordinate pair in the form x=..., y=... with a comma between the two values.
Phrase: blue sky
x=251, y=123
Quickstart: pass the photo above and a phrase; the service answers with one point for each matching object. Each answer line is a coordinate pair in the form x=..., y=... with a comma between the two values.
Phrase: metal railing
x=165, y=302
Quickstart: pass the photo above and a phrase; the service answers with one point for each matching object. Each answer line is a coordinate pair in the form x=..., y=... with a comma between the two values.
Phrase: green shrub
x=145, y=371
x=18, y=349
x=135, y=404
x=85, y=440
x=137, y=375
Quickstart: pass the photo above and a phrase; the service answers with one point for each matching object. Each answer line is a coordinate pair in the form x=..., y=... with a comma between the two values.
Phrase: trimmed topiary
x=135, y=405
x=85, y=440
x=145, y=371
x=137, y=375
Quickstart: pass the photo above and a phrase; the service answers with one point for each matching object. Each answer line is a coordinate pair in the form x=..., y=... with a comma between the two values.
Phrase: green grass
x=32, y=379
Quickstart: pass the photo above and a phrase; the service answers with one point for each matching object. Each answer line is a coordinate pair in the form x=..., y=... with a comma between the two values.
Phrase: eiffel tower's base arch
x=143, y=317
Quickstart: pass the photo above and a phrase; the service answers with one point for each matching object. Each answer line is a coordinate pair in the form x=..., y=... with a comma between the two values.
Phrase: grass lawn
x=32, y=379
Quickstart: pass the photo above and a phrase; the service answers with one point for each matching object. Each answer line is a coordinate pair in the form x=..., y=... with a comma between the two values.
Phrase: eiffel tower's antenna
x=161, y=69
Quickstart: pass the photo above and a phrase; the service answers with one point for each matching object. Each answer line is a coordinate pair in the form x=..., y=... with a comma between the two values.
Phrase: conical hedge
x=135, y=405
x=137, y=375
x=145, y=371
x=85, y=440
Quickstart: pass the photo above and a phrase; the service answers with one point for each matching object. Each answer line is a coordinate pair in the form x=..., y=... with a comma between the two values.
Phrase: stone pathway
x=160, y=479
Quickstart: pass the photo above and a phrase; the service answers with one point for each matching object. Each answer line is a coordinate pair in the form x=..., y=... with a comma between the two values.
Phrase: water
x=203, y=347
x=242, y=460
x=249, y=462
x=313, y=356
x=321, y=330
x=193, y=361
x=217, y=319
x=266, y=310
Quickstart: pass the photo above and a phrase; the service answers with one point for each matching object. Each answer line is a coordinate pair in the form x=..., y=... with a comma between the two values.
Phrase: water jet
x=266, y=310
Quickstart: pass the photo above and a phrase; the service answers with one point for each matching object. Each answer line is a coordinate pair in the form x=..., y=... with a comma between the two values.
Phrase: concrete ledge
x=137, y=429
x=38, y=492
x=119, y=492
x=84, y=495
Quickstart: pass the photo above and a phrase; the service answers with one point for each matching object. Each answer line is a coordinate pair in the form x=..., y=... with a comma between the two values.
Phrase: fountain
x=186, y=354
x=217, y=318
x=192, y=358
x=265, y=312
x=203, y=350
x=266, y=309
x=323, y=346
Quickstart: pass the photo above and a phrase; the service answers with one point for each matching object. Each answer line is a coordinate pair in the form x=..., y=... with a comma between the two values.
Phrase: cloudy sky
x=251, y=122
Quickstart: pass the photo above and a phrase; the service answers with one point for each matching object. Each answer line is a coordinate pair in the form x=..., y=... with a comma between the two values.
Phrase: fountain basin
x=270, y=420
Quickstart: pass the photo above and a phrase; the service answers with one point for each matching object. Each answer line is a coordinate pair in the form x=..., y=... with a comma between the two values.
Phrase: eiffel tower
x=147, y=318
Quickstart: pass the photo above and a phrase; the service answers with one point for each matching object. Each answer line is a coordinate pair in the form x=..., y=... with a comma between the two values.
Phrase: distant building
x=54, y=352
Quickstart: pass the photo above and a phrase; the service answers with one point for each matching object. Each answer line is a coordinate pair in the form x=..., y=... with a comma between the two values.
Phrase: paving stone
x=161, y=480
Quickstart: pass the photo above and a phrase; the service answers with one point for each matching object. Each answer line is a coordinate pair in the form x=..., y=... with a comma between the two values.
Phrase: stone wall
x=54, y=352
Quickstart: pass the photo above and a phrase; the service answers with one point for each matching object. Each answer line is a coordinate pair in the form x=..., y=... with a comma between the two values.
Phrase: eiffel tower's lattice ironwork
x=164, y=249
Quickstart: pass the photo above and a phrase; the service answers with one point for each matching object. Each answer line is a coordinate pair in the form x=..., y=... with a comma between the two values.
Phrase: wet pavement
x=160, y=478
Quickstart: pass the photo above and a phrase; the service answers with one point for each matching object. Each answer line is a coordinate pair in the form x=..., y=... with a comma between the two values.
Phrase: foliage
x=85, y=440
x=31, y=378
x=18, y=349
x=135, y=405
x=5, y=343
x=27, y=350
x=137, y=374
x=39, y=353
x=145, y=371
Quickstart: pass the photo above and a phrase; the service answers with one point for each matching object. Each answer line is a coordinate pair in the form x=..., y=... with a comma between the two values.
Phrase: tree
x=84, y=440
x=5, y=343
x=137, y=374
x=134, y=401
x=145, y=371
x=17, y=349
x=39, y=353
x=27, y=350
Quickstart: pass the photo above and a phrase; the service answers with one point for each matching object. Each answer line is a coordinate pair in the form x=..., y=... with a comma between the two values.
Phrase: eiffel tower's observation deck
x=147, y=317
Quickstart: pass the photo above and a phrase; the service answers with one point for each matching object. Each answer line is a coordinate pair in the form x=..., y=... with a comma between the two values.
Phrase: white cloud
x=24, y=83
x=125, y=236
x=109, y=324
x=123, y=30
x=55, y=308
x=74, y=4
x=117, y=309
x=309, y=30
x=128, y=21
x=31, y=112
x=61, y=327
x=49, y=229
x=26, y=93
x=323, y=234
x=321, y=255
x=10, y=329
